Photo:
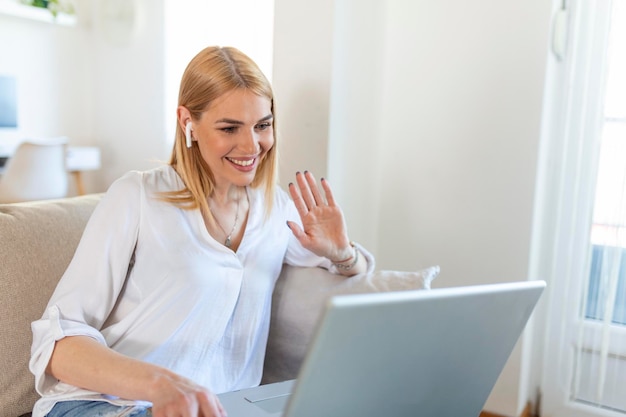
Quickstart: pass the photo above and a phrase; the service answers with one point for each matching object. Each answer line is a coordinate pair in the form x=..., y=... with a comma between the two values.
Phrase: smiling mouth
x=242, y=163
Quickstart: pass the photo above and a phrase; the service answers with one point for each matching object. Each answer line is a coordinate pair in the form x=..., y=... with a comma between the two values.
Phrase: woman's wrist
x=348, y=263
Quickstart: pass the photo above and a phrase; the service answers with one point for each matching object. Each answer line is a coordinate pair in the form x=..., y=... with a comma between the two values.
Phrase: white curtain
x=585, y=352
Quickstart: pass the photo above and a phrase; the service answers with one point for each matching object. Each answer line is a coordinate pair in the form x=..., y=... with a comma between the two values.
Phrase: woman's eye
x=263, y=126
x=229, y=129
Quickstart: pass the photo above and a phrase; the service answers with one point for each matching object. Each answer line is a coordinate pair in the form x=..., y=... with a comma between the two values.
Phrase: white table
x=77, y=160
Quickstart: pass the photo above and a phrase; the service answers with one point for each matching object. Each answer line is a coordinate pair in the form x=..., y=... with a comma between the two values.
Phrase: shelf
x=13, y=8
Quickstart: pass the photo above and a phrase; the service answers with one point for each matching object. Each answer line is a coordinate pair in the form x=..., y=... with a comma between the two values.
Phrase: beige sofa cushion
x=299, y=299
x=38, y=242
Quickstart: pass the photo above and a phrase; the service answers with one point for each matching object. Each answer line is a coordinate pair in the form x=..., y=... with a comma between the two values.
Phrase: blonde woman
x=167, y=299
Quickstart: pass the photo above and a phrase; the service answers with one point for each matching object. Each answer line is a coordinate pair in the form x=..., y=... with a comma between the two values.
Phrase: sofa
x=38, y=242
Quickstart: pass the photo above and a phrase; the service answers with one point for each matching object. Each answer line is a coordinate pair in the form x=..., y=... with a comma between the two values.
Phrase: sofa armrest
x=38, y=242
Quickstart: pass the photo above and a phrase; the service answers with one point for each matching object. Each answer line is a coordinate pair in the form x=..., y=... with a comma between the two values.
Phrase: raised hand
x=324, y=229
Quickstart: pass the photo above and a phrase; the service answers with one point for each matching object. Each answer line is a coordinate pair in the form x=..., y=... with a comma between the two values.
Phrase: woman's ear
x=184, y=116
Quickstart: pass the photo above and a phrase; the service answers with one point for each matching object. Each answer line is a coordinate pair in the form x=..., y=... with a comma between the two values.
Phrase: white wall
x=76, y=82
x=129, y=89
x=463, y=104
x=434, y=133
x=301, y=79
x=52, y=67
x=356, y=122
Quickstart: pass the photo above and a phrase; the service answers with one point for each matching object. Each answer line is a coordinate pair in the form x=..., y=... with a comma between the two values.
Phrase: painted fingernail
x=288, y=225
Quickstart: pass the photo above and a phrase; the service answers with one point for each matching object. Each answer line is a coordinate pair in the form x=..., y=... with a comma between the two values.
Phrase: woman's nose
x=250, y=142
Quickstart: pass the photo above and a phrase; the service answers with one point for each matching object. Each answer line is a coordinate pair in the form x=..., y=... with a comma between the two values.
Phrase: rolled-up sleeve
x=89, y=288
x=46, y=331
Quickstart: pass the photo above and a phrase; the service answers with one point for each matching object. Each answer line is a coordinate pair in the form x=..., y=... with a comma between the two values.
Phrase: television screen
x=8, y=102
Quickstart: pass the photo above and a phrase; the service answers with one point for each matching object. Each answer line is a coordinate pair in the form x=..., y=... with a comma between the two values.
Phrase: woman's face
x=234, y=134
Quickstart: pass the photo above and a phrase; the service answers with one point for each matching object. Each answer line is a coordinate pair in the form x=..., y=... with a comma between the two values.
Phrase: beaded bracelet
x=355, y=259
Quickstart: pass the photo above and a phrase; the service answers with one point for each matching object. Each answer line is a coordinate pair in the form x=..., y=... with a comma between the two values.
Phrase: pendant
x=227, y=242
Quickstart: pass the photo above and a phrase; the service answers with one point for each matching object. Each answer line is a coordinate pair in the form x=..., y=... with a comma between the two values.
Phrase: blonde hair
x=211, y=73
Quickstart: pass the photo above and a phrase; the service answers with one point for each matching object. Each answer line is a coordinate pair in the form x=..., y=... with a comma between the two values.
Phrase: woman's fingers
x=309, y=190
x=305, y=190
x=297, y=199
x=328, y=192
x=307, y=195
x=210, y=406
x=314, y=189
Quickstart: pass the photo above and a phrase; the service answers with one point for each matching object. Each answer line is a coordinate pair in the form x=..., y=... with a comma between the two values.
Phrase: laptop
x=434, y=353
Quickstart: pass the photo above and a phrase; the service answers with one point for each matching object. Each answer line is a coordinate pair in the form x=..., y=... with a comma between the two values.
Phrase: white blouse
x=186, y=302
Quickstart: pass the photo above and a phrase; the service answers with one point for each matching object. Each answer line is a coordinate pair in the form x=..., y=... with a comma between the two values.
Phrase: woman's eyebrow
x=229, y=121
x=239, y=122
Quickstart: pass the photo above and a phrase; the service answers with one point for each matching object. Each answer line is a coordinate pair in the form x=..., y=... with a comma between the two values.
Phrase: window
x=584, y=216
x=607, y=287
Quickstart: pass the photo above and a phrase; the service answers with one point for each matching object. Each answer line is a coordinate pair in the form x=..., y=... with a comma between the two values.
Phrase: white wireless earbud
x=188, y=134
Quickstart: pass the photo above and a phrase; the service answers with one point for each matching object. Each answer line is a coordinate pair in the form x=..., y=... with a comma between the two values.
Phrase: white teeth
x=242, y=163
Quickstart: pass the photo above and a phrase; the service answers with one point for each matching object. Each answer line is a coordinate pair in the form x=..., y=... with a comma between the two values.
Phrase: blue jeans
x=96, y=409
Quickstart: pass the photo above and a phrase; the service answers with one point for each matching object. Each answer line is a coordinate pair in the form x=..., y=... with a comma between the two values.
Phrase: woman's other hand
x=177, y=396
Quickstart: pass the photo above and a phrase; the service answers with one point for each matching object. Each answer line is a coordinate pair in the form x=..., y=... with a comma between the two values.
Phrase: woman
x=167, y=299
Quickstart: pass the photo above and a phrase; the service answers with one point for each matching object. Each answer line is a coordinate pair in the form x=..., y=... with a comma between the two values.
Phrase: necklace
x=228, y=242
